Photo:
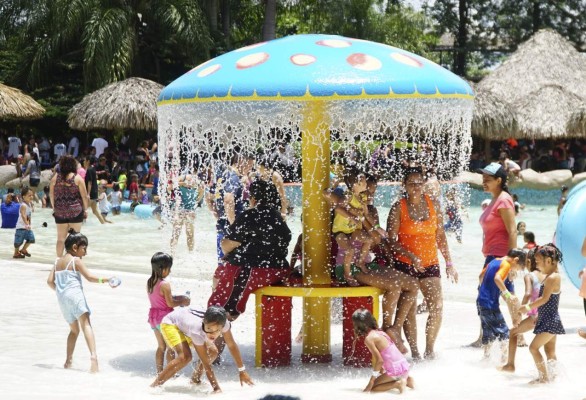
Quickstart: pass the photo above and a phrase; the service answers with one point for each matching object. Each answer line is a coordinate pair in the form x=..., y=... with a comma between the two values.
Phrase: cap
x=493, y=169
x=485, y=202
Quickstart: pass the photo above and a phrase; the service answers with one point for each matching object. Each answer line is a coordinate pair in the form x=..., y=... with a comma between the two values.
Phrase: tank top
x=394, y=363
x=68, y=203
x=418, y=237
x=344, y=224
x=67, y=279
x=115, y=199
x=159, y=307
x=21, y=223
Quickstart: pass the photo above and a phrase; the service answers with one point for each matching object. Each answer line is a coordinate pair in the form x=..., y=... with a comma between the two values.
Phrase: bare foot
x=197, y=374
x=521, y=341
x=429, y=355
x=415, y=356
x=94, y=365
x=68, y=364
x=475, y=344
x=402, y=384
x=396, y=338
x=410, y=382
x=538, y=381
x=582, y=333
x=507, y=368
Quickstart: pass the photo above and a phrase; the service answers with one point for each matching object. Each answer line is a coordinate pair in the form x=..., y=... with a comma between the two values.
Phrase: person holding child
x=65, y=279
x=162, y=302
x=24, y=231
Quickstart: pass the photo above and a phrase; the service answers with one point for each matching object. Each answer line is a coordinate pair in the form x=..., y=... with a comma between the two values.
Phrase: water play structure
x=316, y=90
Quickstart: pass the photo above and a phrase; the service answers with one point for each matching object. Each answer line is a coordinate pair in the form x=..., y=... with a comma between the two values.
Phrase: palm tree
x=270, y=22
x=112, y=39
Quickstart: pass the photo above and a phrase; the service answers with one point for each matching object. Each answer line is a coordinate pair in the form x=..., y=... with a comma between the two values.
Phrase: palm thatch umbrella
x=545, y=60
x=128, y=104
x=16, y=105
x=493, y=118
x=577, y=124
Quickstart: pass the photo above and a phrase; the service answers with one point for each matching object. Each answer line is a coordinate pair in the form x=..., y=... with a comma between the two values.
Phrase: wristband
x=375, y=374
x=242, y=369
x=506, y=294
x=100, y=280
x=527, y=307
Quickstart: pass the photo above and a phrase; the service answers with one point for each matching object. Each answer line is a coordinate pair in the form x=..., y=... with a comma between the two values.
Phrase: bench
x=273, y=321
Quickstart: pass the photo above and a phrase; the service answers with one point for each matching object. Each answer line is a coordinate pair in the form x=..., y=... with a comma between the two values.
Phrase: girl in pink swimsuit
x=162, y=302
x=390, y=367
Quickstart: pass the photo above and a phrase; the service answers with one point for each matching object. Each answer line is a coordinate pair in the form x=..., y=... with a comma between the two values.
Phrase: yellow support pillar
x=315, y=149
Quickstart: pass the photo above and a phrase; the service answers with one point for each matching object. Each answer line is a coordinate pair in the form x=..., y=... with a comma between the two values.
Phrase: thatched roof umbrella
x=547, y=59
x=16, y=105
x=493, y=118
x=577, y=124
x=544, y=113
x=128, y=104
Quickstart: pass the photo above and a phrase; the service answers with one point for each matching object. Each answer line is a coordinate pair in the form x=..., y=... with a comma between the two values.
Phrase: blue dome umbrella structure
x=308, y=86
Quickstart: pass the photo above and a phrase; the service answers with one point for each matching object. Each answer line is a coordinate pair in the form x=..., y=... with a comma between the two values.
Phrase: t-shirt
x=13, y=146
x=100, y=145
x=264, y=237
x=229, y=182
x=59, y=150
x=90, y=176
x=73, y=147
x=190, y=323
x=188, y=198
x=488, y=292
x=496, y=237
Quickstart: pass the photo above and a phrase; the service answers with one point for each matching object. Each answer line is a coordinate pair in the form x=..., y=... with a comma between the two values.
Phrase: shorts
x=173, y=336
x=116, y=208
x=354, y=270
x=219, y=237
x=34, y=182
x=509, y=284
x=493, y=325
x=75, y=220
x=433, y=271
x=22, y=235
x=104, y=214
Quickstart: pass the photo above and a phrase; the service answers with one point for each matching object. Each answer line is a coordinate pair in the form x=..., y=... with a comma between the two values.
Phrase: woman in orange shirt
x=415, y=233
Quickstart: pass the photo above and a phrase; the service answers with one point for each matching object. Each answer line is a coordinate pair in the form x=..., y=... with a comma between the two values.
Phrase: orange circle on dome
x=302, y=59
x=252, y=60
x=364, y=62
x=336, y=43
x=208, y=70
x=407, y=60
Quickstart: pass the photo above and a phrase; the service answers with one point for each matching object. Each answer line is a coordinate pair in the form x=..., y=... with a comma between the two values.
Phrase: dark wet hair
x=412, y=170
x=363, y=321
x=75, y=238
x=351, y=177
x=116, y=187
x=215, y=315
x=265, y=193
x=518, y=253
x=531, y=257
x=67, y=165
x=550, y=250
x=159, y=262
x=24, y=191
x=529, y=236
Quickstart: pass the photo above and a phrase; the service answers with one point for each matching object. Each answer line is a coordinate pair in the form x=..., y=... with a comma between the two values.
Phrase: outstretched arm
x=235, y=352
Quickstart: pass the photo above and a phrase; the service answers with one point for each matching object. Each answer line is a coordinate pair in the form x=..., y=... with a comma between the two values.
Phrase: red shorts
x=235, y=284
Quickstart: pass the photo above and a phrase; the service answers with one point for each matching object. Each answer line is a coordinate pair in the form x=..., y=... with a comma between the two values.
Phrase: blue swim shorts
x=493, y=325
x=22, y=235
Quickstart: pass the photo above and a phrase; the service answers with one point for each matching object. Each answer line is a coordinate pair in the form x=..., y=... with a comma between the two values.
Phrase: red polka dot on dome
x=407, y=60
x=208, y=70
x=364, y=62
x=252, y=60
x=302, y=59
x=336, y=43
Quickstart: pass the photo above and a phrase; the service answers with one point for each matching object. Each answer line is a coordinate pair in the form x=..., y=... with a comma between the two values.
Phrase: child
x=115, y=198
x=492, y=285
x=144, y=196
x=347, y=225
x=185, y=326
x=529, y=238
x=133, y=202
x=162, y=302
x=24, y=232
x=532, y=285
x=122, y=179
x=65, y=279
x=133, y=187
x=103, y=203
x=521, y=228
x=390, y=367
x=548, y=324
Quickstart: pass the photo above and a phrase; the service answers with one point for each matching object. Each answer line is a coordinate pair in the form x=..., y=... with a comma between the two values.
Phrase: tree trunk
x=462, y=39
x=270, y=23
x=226, y=22
x=212, y=14
x=536, y=15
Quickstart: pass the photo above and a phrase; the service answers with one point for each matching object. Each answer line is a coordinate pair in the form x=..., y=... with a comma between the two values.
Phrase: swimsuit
x=70, y=292
x=394, y=363
x=548, y=316
x=159, y=308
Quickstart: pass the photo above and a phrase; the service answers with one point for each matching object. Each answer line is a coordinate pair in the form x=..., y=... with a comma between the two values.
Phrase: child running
x=103, y=203
x=532, y=286
x=24, y=231
x=390, y=367
x=347, y=225
x=548, y=324
x=492, y=285
x=162, y=302
x=65, y=279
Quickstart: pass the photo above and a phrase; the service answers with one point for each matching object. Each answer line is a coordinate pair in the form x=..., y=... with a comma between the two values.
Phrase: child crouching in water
x=162, y=302
x=492, y=285
x=65, y=279
x=548, y=324
x=390, y=367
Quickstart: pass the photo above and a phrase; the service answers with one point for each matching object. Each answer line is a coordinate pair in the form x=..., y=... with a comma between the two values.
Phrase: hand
x=186, y=301
x=416, y=263
x=382, y=232
x=452, y=274
x=245, y=378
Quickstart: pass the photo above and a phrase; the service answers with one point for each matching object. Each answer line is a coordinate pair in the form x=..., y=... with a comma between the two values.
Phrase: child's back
x=159, y=307
x=69, y=289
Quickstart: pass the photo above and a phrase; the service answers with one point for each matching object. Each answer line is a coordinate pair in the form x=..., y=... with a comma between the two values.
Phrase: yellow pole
x=315, y=146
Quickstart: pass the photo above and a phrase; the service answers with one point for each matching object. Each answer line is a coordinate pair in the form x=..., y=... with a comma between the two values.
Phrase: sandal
x=25, y=253
x=19, y=255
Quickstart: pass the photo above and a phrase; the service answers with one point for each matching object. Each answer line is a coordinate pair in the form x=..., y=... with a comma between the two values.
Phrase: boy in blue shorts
x=492, y=285
x=24, y=233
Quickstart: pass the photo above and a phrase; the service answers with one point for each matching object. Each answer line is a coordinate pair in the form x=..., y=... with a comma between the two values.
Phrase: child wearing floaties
x=390, y=369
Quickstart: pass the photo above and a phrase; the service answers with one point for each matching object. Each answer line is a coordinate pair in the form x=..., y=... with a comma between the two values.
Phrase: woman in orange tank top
x=415, y=233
